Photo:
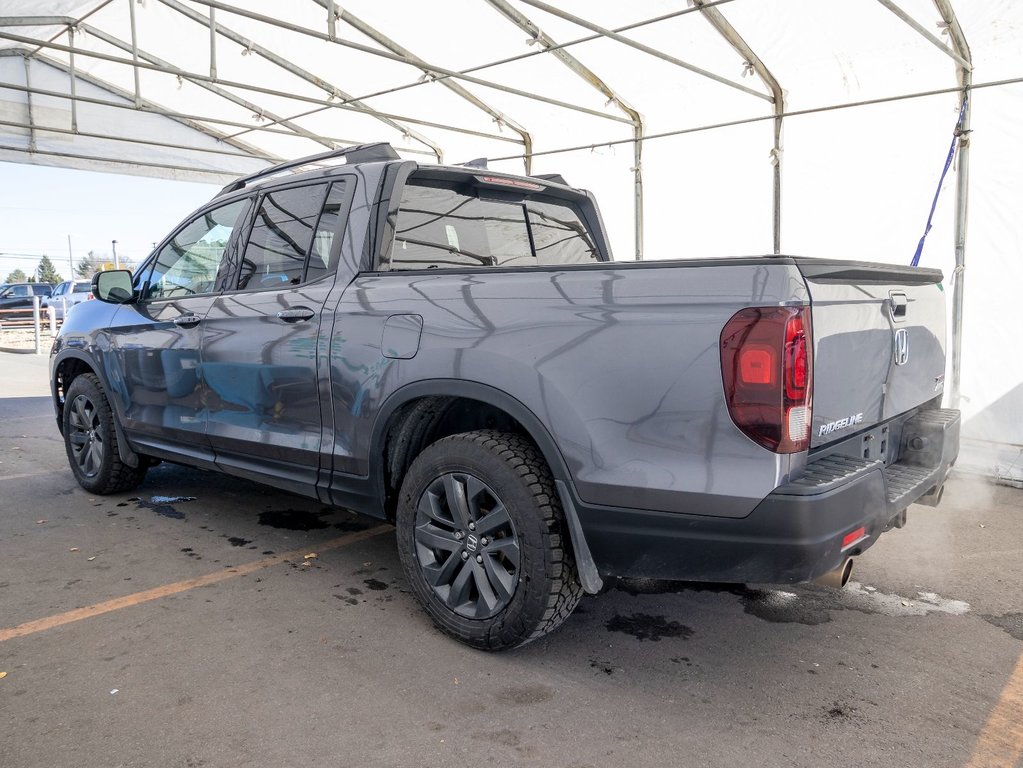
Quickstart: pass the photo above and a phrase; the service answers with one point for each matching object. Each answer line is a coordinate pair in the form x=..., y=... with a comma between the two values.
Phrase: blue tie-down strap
x=944, y=171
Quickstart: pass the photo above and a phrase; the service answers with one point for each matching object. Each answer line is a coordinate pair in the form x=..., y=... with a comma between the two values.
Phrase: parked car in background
x=16, y=300
x=67, y=294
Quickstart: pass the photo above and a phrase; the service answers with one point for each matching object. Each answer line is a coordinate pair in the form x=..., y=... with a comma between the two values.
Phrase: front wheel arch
x=66, y=368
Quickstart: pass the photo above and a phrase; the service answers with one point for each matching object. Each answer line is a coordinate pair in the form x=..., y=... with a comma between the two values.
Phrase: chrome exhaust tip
x=837, y=578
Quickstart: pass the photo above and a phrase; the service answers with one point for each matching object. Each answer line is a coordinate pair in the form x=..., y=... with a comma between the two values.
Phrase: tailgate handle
x=897, y=303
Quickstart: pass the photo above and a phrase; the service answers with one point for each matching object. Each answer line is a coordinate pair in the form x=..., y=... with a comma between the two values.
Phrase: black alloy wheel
x=90, y=439
x=466, y=545
x=483, y=540
x=88, y=448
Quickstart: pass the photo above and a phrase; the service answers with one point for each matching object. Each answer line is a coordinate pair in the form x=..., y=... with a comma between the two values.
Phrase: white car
x=67, y=294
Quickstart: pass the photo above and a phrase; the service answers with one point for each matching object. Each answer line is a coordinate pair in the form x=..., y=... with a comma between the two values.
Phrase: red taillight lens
x=767, y=370
x=89, y=297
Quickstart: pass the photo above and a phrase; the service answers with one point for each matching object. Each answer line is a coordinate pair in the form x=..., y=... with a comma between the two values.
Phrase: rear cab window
x=450, y=225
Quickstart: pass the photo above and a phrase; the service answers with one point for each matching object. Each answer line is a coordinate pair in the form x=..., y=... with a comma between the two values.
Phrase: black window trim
x=350, y=181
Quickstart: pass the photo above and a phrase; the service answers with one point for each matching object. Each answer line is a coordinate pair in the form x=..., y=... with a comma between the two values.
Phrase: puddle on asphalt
x=163, y=505
x=292, y=519
x=643, y=626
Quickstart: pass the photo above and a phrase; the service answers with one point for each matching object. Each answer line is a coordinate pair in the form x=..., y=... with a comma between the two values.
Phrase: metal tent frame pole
x=635, y=118
x=332, y=90
x=455, y=87
x=727, y=31
x=961, y=47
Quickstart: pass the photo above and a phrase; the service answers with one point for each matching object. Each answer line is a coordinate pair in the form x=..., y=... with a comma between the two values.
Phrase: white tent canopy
x=865, y=96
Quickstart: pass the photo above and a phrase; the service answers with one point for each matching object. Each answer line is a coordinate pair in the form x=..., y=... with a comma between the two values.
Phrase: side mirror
x=113, y=286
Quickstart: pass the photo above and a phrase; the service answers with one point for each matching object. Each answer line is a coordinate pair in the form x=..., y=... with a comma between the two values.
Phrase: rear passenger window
x=559, y=236
x=322, y=256
x=282, y=233
x=438, y=227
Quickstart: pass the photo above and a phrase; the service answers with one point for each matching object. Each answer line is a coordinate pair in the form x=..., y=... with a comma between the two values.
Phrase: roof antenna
x=479, y=162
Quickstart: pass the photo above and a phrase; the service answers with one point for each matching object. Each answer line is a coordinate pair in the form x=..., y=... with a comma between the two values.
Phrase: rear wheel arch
x=422, y=413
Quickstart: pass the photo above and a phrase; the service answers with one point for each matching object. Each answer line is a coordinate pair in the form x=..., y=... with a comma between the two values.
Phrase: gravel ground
x=24, y=338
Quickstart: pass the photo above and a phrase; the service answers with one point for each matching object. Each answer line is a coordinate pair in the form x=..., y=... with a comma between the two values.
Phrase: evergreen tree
x=47, y=272
x=85, y=269
x=17, y=276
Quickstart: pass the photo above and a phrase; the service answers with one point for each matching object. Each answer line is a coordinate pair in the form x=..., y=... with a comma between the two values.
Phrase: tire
x=500, y=572
x=91, y=440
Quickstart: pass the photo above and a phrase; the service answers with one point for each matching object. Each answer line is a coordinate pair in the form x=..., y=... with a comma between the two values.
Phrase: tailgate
x=879, y=343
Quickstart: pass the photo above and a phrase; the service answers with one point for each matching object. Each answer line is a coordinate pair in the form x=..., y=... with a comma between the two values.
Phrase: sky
x=41, y=206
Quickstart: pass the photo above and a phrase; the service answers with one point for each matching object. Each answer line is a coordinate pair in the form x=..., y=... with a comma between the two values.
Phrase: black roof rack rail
x=362, y=153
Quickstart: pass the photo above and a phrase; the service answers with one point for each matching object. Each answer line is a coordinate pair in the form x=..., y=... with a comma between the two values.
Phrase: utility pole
x=70, y=258
x=117, y=262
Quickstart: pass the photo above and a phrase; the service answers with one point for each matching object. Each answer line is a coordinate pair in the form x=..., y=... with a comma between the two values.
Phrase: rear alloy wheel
x=482, y=542
x=466, y=545
x=91, y=441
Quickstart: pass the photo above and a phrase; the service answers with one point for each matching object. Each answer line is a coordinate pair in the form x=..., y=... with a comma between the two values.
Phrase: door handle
x=296, y=315
x=187, y=321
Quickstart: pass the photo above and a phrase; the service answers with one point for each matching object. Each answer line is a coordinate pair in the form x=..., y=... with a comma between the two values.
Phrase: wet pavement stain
x=350, y=526
x=643, y=626
x=374, y=584
x=524, y=695
x=237, y=541
x=780, y=607
x=348, y=600
x=806, y=603
x=1011, y=623
x=292, y=519
x=163, y=505
x=839, y=712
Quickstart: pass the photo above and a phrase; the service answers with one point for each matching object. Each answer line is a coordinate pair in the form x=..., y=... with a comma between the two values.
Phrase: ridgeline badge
x=834, y=426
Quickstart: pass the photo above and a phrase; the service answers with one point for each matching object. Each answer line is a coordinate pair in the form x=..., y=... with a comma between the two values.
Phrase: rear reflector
x=767, y=372
x=853, y=536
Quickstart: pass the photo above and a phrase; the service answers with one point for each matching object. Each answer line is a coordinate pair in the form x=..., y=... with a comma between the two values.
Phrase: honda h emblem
x=901, y=346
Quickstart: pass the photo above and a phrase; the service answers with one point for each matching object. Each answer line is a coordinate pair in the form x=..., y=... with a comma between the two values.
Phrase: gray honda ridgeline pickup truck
x=453, y=349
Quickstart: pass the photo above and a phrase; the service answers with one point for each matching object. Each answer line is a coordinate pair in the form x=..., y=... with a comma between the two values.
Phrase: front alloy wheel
x=88, y=447
x=90, y=439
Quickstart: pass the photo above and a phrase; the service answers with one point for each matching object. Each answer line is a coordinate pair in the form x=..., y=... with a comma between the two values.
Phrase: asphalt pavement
x=208, y=621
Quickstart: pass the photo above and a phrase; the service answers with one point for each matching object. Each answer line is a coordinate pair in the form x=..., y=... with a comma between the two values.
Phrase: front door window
x=189, y=263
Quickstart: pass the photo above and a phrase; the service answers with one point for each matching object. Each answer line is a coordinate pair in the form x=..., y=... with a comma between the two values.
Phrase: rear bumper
x=795, y=534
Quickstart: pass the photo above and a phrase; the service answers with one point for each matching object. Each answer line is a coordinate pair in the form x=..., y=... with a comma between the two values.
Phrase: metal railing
x=38, y=319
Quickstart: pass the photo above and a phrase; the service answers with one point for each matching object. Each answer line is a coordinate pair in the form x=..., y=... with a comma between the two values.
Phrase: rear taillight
x=89, y=297
x=767, y=370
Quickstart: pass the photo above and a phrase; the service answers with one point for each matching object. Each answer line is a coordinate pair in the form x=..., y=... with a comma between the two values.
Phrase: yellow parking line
x=1001, y=741
x=40, y=625
x=28, y=474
